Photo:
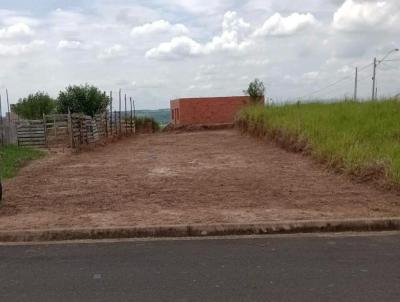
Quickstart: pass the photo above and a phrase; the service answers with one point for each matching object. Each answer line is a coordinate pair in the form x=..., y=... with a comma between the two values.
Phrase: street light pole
x=374, y=80
x=376, y=63
x=355, y=85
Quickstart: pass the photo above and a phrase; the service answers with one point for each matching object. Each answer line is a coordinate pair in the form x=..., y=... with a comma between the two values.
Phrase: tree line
x=89, y=100
x=85, y=99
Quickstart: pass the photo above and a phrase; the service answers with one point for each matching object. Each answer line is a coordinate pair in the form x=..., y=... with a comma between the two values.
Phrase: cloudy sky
x=155, y=50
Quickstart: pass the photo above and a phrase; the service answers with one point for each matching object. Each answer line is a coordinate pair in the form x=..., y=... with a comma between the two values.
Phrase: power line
x=337, y=82
x=326, y=87
x=387, y=67
x=365, y=67
x=366, y=76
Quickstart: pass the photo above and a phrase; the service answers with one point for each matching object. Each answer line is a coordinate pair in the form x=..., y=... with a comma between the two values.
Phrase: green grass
x=359, y=138
x=162, y=116
x=13, y=157
x=145, y=123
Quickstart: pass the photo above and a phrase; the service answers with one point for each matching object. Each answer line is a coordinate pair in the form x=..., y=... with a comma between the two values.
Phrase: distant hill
x=162, y=116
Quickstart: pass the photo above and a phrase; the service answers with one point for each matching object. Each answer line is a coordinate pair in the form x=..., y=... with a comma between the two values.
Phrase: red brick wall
x=206, y=111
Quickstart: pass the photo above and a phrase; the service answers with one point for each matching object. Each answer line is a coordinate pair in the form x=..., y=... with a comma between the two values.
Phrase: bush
x=145, y=123
x=34, y=106
x=82, y=99
x=256, y=90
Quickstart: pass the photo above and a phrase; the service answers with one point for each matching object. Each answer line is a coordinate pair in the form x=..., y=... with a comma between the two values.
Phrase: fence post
x=106, y=126
x=126, y=125
x=111, y=126
x=134, y=115
x=115, y=123
x=130, y=99
x=1, y=124
x=45, y=130
x=55, y=126
x=70, y=130
x=119, y=114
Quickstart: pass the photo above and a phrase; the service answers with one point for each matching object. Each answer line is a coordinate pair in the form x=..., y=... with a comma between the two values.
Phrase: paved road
x=306, y=268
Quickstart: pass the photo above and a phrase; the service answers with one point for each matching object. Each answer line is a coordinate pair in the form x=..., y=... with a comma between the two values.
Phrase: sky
x=157, y=50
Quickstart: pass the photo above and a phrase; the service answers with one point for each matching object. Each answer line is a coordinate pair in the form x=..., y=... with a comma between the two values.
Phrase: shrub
x=82, y=99
x=256, y=90
x=145, y=123
x=34, y=106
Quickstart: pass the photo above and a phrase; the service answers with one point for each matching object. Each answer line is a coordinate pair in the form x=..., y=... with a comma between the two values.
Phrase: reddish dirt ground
x=185, y=178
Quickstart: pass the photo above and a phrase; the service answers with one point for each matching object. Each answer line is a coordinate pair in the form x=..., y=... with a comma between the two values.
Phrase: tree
x=34, y=106
x=85, y=99
x=256, y=90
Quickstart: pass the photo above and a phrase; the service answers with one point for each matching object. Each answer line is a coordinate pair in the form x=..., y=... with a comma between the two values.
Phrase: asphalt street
x=278, y=268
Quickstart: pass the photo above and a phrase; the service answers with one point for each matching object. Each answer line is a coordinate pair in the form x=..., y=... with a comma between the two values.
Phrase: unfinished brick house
x=206, y=111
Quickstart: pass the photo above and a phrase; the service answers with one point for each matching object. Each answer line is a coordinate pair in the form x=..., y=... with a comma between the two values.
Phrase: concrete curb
x=284, y=227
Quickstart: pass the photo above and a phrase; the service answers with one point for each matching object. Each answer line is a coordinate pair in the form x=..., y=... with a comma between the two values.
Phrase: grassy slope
x=360, y=138
x=162, y=116
x=13, y=157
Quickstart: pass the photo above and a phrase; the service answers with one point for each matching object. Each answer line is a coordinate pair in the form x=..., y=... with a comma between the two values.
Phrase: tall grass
x=13, y=157
x=359, y=138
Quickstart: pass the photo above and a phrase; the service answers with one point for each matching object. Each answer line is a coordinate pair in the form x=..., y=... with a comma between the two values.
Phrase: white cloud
x=255, y=62
x=160, y=26
x=366, y=15
x=20, y=49
x=310, y=76
x=176, y=48
x=278, y=25
x=345, y=69
x=220, y=42
x=234, y=37
x=112, y=52
x=15, y=31
x=199, y=6
x=69, y=44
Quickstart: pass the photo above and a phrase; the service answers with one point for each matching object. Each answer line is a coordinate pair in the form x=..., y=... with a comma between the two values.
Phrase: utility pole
x=376, y=63
x=374, y=80
x=355, y=84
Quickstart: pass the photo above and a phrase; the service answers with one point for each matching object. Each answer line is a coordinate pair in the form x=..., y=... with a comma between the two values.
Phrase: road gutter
x=197, y=230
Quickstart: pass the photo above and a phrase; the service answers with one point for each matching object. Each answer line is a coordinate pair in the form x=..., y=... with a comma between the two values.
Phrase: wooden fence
x=72, y=130
x=8, y=132
x=31, y=133
x=56, y=126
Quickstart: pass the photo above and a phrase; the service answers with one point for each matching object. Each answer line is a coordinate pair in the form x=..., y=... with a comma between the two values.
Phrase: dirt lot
x=198, y=177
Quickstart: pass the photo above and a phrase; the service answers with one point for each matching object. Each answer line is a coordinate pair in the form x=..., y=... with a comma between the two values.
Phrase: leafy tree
x=85, y=99
x=256, y=90
x=34, y=106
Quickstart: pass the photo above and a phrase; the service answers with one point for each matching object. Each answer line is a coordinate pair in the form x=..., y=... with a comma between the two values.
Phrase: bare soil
x=184, y=178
